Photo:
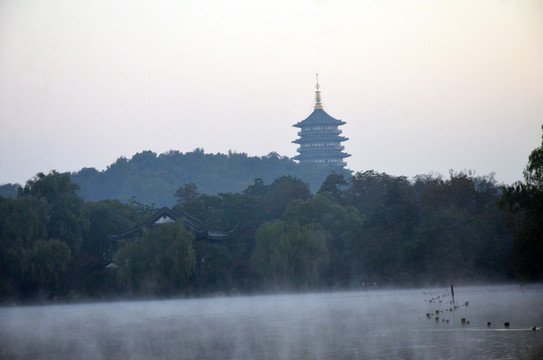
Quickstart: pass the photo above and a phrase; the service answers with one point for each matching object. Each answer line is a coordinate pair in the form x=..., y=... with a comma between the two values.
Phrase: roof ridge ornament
x=318, y=104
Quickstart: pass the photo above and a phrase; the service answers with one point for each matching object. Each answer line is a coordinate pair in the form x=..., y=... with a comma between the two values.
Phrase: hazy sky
x=423, y=85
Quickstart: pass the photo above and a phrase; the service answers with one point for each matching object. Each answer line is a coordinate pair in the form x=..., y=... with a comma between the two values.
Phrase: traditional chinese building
x=164, y=216
x=319, y=138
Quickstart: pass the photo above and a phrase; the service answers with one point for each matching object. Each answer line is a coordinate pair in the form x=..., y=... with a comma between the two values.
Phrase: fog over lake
x=369, y=324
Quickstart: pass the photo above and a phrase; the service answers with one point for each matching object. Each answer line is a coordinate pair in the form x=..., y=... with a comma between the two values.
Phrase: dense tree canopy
x=159, y=262
x=288, y=255
x=341, y=227
x=533, y=173
x=154, y=178
x=525, y=201
x=51, y=242
x=9, y=190
x=65, y=208
x=368, y=227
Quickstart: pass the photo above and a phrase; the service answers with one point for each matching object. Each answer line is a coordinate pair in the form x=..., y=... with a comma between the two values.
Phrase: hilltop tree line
x=155, y=178
x=362, y=229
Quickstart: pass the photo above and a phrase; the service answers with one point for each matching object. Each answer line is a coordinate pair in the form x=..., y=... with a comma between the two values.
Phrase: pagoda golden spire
x=318, y=104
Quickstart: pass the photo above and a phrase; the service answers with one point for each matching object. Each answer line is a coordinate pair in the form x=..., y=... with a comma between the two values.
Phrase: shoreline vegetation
x=78, y=299
x=291, y=235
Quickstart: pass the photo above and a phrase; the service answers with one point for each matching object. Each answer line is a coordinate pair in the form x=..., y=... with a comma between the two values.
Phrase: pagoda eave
x=312, y=139
x=305, y=156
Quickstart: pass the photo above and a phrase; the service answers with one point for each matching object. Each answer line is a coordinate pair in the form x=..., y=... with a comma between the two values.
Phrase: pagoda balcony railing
x=320, y=147
x=319, y=132
x=324, y=162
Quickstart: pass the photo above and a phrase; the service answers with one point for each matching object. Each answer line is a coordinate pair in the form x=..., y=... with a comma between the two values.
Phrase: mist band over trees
x=366, y=227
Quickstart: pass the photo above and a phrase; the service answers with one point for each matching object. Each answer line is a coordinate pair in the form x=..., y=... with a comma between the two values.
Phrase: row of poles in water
x=464, y=321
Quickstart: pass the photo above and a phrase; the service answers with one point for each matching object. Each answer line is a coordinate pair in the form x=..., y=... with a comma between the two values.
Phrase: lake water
x=372, y=324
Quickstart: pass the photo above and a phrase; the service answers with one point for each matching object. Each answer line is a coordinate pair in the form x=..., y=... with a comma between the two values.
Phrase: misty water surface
x=374, y=324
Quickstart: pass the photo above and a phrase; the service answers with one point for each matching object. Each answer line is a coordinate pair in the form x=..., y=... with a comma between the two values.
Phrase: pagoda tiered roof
x=323, y=137
x=319, y=117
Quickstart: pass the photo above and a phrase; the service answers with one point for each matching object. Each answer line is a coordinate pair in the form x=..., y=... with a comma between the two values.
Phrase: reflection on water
x=375, y=324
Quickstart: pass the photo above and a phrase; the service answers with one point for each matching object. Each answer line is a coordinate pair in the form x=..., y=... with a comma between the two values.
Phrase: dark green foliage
x=155, y=179
x=214, y=264
x=40, y=232
x=51, y=243
x=368, y=227
x=448, y=245
x=9, y=190
x=288, y=255
x=23, y=223
x=366, y=190
x=65, y=208
x=341, y=227
x=533, y=173
x=430, y=229
x=245, y=212
x=187, y=193
x=525, y=202
x=105, y=217
x=161, y=261
x=389, y=227
x=334, y=184
x=282, y=191
x=48, y=263
x=258, y=203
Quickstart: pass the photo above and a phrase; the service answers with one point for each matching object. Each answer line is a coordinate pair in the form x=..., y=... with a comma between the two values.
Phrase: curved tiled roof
x=319, y=116
x=166, y=215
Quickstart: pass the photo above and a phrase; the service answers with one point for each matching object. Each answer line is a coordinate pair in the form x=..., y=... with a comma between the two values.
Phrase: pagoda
x=319, y=138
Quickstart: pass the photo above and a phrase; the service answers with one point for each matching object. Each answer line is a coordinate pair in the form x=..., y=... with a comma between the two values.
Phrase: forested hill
x=371, y=227
x=154, y=179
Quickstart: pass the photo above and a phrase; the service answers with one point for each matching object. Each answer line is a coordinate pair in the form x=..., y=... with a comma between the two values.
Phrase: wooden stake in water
x=452, y=292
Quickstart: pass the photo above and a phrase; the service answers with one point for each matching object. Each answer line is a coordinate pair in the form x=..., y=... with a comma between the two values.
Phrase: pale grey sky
x=423, y=85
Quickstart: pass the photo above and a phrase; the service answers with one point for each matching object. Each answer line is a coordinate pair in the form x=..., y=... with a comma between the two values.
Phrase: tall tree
x=65, y=207
x=334, y=184
x=187, y=193
x=288, y=255
x=342, y=229
x=525, y=201
x=23, y=222
x=159, y=262
x=282, y=191
x=533, y=173
x=49, y=261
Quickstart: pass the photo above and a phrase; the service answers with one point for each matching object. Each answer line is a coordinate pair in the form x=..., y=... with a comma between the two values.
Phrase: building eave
x=319, y=116
x=198, y=228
